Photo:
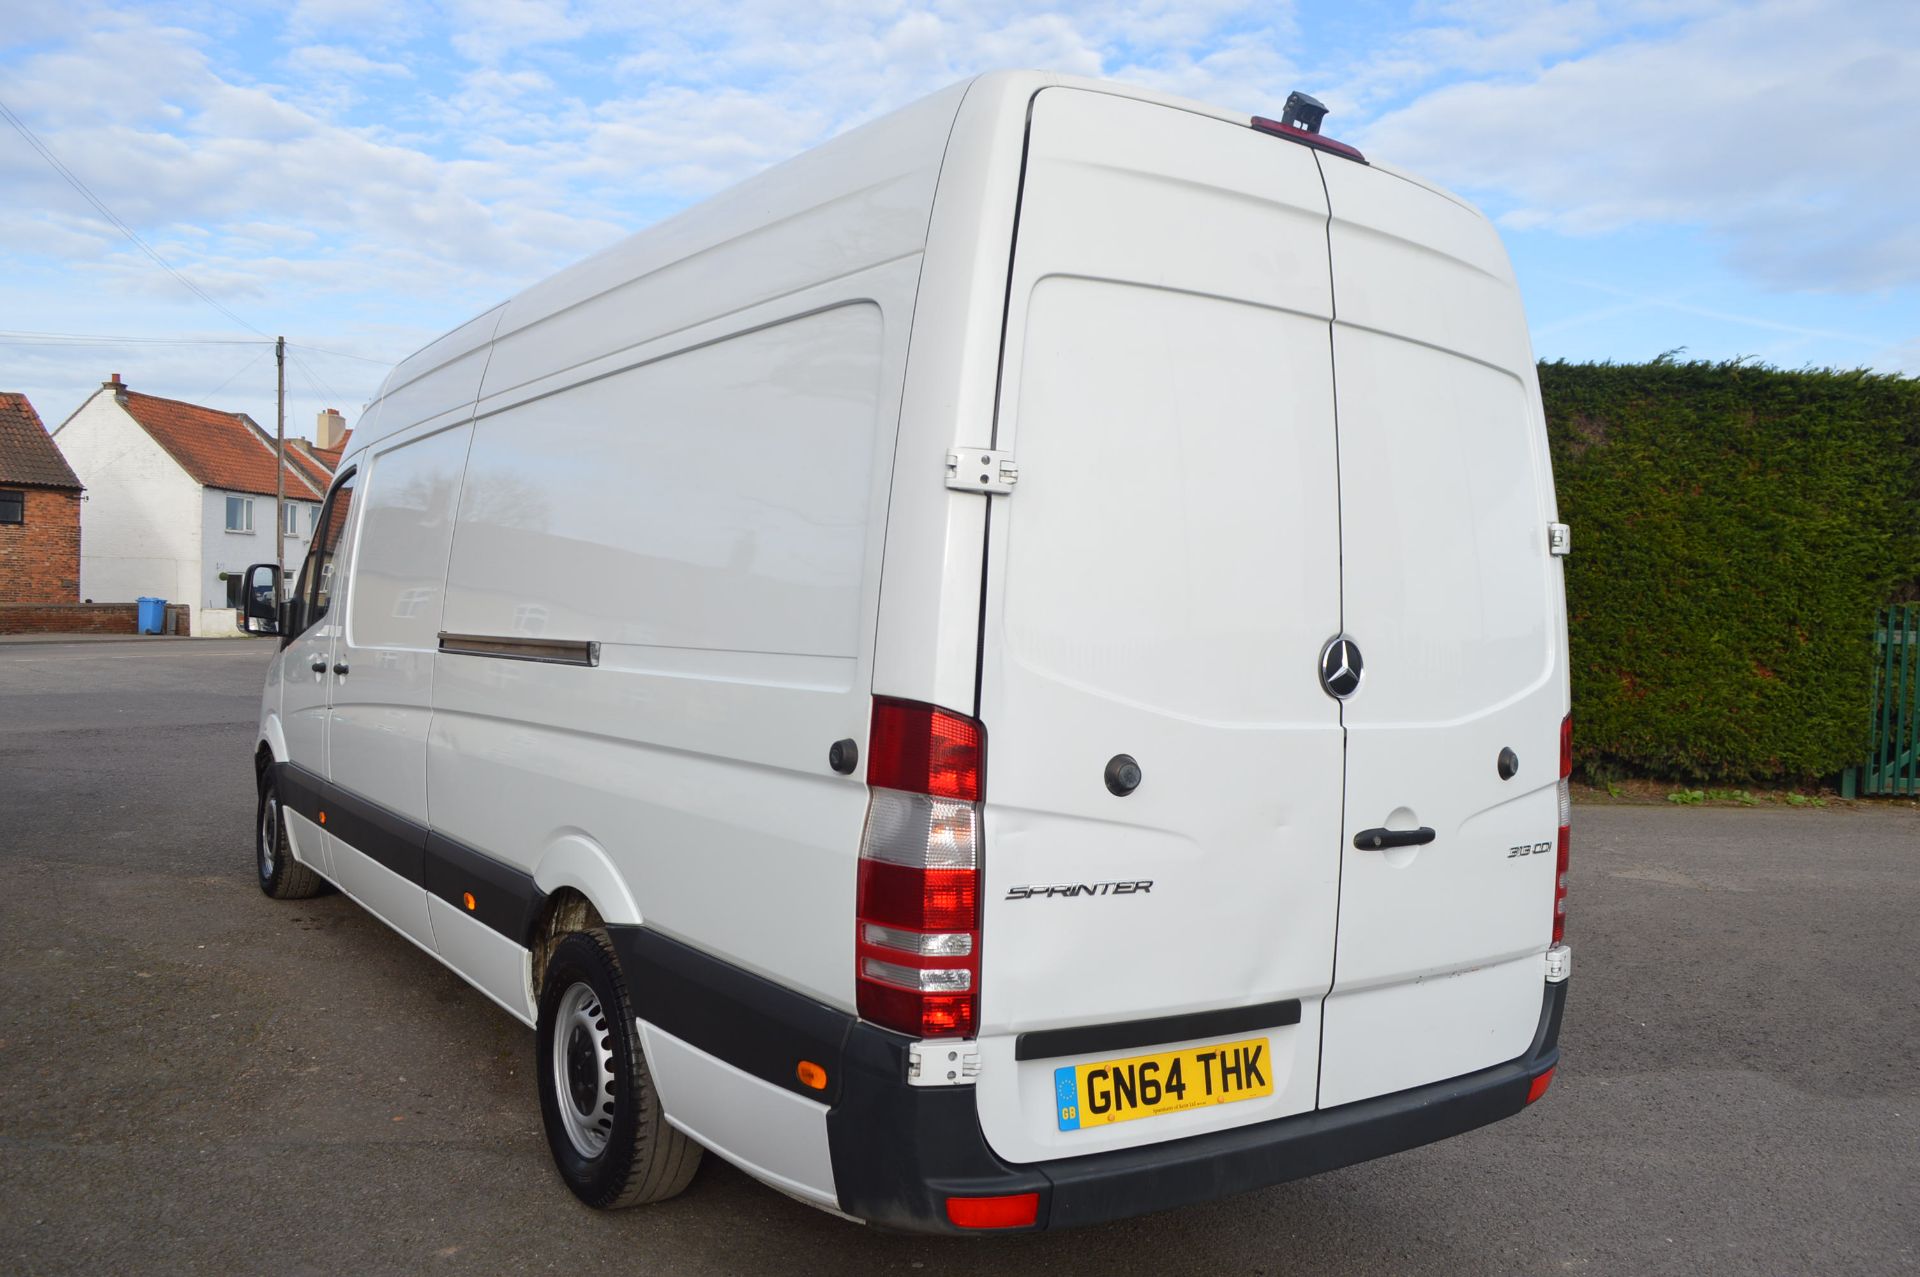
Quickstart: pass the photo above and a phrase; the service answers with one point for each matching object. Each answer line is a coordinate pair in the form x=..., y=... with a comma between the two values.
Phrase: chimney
x=329, y=429
x=118, y=388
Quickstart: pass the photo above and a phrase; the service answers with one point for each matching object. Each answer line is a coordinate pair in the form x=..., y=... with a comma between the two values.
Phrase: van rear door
x=1159, y=586
x=1457, y=609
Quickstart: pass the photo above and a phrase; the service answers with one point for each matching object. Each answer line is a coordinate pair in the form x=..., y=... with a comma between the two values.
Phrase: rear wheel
x=280, y=875
x=609, y=1138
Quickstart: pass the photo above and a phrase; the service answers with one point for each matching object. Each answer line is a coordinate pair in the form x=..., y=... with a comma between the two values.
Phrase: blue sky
x=361, y=175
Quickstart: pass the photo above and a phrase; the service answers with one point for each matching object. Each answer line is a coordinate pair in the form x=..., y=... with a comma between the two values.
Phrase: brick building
x=39, y=511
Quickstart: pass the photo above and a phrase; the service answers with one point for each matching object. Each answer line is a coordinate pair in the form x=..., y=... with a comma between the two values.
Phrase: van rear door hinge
x=981, y=470
x=942, y=1063
x=1559, y=539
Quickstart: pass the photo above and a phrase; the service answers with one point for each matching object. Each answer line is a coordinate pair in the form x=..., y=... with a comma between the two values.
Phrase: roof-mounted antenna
x=1303, y=112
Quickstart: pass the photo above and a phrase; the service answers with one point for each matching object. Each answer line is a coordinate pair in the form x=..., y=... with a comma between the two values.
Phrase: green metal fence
x=1893, y=767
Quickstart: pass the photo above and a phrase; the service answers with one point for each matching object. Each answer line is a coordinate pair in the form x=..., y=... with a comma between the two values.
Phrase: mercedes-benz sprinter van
x=1008, y=672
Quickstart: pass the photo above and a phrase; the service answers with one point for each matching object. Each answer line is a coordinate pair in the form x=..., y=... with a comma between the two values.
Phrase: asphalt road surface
x=194, y=1078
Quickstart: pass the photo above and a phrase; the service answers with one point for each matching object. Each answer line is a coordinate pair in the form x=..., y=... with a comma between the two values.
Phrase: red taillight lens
x=1566, y=832
x=917, y=930
x=919, y=900
x=1018, y=1211
x=1539, y=1086
x=924, y=750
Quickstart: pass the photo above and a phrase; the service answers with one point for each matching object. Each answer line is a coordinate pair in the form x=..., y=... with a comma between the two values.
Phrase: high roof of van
x=884, y=172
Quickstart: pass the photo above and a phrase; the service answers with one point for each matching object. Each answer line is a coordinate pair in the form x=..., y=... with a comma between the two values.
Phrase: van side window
x=315, y=592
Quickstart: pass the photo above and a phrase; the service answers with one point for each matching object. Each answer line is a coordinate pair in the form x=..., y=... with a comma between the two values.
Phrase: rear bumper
x=899, y=1151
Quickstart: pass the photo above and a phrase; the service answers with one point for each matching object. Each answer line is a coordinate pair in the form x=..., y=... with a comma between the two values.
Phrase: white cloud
x=332, y=59
x=1780, y=129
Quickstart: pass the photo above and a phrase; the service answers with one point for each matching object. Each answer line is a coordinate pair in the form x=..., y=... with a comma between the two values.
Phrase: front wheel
x=279, y=874
x=610, y=1140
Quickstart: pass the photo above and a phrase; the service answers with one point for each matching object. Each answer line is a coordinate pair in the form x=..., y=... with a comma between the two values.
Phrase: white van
x=1006, y=673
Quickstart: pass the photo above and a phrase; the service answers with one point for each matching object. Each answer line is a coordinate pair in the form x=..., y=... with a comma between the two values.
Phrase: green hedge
x=1735, y=527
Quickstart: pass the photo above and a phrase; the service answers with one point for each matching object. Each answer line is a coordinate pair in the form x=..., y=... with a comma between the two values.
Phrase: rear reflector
x=1305, y=138
x=917, y=927
x=1539, y=1085
x=1021, y=1210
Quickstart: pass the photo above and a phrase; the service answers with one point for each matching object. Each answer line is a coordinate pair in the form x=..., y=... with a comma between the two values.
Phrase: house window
x=290, y=519
x=13, y=507
x=313, y=520
x=239, y=514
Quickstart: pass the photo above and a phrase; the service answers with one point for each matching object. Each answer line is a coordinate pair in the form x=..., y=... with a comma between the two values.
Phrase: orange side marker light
x=811, y=1075
x=466, y=898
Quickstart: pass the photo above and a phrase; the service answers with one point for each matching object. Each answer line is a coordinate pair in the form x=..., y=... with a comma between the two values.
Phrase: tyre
x=280, y=875
x=610, y=1139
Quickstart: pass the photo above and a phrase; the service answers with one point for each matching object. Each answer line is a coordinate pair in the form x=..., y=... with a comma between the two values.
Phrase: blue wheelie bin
x=152, y=616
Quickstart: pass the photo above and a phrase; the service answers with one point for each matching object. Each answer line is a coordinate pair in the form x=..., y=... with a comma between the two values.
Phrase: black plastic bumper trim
x=1094, y=1039
x=900, y=1151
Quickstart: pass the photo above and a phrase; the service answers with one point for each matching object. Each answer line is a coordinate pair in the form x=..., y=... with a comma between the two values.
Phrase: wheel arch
x=580, y=891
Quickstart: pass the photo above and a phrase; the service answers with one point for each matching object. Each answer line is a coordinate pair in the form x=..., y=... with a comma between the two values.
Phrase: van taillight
x=1566, y=831
x=917, y=926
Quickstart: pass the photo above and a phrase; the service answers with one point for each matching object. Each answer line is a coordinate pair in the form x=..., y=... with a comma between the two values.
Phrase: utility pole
x=280, y=461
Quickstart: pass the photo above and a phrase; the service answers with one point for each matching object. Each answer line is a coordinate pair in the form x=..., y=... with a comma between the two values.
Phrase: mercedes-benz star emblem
x=1340, y=667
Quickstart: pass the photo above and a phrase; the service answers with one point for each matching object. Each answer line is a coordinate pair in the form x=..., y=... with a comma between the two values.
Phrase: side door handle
x=340, y=668
x=319, y=667
x=1376, y=839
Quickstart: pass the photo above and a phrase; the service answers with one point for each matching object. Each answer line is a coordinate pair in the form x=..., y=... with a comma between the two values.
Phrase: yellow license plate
x=1172, y=1082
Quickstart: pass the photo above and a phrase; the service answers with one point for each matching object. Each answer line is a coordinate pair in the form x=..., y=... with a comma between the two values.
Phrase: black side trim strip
x=548, y=651
x=505, y=897
x=386, y=836
x=759, y=1027
x=299, y=789
x=1093, y=1039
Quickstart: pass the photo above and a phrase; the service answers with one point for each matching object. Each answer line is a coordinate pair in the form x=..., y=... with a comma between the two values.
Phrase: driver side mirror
x=261, y=615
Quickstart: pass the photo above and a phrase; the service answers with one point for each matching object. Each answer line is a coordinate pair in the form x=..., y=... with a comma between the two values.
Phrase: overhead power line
x=20, y=337
x=17, y=337
x=342, y=354
x=258, y=355
x=73, y=180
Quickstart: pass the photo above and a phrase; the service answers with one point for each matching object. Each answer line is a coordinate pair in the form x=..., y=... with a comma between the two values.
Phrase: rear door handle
x=1376, y=839
x=340, y=668
x=319, y=667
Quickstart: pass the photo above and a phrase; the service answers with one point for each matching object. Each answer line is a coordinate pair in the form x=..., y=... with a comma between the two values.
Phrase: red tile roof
x=28, y=455
x=332, y=455
x=219, y=449
x=309, y=459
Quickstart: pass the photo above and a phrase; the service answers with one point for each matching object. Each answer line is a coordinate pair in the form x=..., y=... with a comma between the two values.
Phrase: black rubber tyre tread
x=646, y=1159
x=290, y=880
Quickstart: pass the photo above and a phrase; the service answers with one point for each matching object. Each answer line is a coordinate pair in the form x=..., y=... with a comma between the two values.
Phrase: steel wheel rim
x=582, y=1063
x=269, y=835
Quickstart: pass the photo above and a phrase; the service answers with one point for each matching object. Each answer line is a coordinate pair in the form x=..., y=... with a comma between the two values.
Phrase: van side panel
x=709, y=515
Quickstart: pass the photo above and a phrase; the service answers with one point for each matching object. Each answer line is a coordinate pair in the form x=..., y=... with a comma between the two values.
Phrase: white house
x=180, y=499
